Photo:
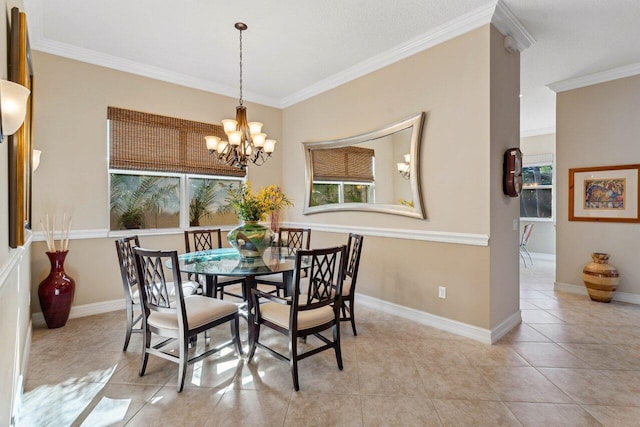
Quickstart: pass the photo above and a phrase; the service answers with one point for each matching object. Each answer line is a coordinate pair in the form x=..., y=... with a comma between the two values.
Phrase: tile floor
x=572, y=362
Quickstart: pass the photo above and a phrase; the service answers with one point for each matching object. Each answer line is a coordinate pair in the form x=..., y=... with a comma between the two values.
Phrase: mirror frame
x=416, y=122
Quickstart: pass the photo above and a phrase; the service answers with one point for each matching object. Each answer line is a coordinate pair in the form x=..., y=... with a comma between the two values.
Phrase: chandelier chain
x=240, y=67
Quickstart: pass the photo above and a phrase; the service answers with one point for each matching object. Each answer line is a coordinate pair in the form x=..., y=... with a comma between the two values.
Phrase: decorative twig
x=49, y=229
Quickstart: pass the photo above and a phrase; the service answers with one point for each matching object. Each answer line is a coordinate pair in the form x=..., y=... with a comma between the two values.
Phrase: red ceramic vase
x=56, y=292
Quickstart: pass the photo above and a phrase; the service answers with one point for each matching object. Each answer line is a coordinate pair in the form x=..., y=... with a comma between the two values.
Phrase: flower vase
x=250, y=239
x=56, y=292
x=600, y=278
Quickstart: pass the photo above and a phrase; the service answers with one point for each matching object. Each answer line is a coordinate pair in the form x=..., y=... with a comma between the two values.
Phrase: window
x=343, y=175
x=161, y=175
x=536, y=198
x=327, y=192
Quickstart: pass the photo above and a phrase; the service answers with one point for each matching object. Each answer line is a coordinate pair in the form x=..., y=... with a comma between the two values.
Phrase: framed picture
x=20, y=144
x=606, y=193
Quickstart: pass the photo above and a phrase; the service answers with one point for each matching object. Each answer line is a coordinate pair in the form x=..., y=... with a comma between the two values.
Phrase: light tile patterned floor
x=572, y=362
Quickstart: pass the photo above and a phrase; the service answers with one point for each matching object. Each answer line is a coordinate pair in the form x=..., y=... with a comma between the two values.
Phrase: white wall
x=15, y=276
x=543, y=237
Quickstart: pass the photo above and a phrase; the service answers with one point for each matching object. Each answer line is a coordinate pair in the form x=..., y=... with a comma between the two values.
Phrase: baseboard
x=84, y=310
x=505, y=326
x=459, y=328
x=582, y=290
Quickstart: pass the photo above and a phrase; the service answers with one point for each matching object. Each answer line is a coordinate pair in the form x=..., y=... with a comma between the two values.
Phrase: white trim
x=76, y=234
x=85, y=310
x=535, y=132
x=15, y=256
x=582, y=290
x=438, y=322
x=499, y=15
x=460, y=25
x=505, y=326
x=592, y=79
x=397, y=233
x=509, y=25
x=134, y=67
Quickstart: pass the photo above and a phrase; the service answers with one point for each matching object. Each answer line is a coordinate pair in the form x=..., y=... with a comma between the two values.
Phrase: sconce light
x=35, y=159
x=404, y=168
x=13, y=107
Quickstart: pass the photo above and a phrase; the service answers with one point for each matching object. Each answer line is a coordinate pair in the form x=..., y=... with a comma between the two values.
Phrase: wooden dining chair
x=178, y=319
x=304, y=314
x=201, y=240
x=294, y=238
x=130, y=285
x=350, y=276
x=126, y=261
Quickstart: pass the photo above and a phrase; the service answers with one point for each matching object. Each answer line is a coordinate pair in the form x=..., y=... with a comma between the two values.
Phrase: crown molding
x=133, y=67
x=538, y=131
x=509, y=25
x=592, y=79
x=463, y=24
x=496, y=13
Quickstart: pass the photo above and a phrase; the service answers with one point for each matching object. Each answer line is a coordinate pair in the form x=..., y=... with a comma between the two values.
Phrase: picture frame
x=605, y=193
x=20, y=150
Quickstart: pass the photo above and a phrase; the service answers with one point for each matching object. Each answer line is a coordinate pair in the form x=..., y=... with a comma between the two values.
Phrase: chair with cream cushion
x=354, y=250
x=303, y=315
x=130, y=285
x=202, y=240
x=180, y=318
x=294, y=238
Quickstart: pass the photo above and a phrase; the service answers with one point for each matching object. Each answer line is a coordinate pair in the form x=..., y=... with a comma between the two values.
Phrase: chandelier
x=246, y=142
x=404, y=168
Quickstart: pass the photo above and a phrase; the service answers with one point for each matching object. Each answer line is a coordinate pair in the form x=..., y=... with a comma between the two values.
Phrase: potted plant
x=251, y=238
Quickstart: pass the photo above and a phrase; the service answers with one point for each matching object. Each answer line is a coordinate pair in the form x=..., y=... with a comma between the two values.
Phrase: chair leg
x=529, y=255
x=129, y=325
x=182, y=366
x=523, y=260
x=235, y=326
x=293, y=360
x=352, y=317
x=336, y=344
x=146, y=344
x=256, y=336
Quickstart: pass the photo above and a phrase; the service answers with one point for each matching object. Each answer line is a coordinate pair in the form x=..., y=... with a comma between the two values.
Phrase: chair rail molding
x=400, y=233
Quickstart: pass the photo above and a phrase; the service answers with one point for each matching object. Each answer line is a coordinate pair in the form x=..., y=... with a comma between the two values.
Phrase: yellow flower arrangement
x=255, y=207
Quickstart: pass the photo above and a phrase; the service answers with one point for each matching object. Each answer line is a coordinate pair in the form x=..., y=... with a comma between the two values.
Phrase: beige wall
x=543, y=237
x=505, y=131
x=597, y=126
x=460, y=152
x=71, y=130
x=451, y=83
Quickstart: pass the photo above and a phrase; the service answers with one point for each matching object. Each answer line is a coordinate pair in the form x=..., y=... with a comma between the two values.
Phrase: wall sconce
x=35, y=159
x=13, y=107
x=404, y=168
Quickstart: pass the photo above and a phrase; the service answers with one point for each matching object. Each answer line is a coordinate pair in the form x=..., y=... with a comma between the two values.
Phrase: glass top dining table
x=227, y=262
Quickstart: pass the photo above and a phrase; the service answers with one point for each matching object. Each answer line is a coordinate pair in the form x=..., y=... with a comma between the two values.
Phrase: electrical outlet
x=442, y=292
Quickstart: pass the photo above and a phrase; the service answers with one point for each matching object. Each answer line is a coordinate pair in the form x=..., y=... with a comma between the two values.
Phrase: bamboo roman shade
x=150, y=142
x=343, y=164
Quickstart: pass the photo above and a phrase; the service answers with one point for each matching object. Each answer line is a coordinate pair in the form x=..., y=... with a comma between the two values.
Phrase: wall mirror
x=378, y=171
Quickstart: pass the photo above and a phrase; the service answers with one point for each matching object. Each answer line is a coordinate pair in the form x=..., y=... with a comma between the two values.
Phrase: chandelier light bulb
x=229, y=125
x=255, y=127
x=212, y=142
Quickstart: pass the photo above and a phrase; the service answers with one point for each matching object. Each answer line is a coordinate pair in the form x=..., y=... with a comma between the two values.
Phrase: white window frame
x=529, y=160
x=184, y=201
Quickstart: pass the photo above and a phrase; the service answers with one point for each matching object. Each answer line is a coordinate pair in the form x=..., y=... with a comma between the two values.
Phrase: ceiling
x=294, y=49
